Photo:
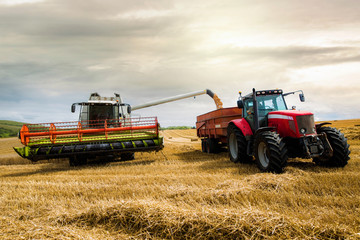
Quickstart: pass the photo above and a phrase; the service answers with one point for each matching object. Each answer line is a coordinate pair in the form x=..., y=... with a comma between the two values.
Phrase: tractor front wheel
x=270, y=152
x=340, y=148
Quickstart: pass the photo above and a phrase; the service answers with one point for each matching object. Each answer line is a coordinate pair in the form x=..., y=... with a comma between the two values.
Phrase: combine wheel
x=237, y=145
x=270, y=152
x=340, y=148
x=127, y=156
x=75, y=161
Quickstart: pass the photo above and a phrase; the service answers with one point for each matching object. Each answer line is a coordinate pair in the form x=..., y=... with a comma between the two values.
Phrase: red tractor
x=264, y=128
x=272, y=133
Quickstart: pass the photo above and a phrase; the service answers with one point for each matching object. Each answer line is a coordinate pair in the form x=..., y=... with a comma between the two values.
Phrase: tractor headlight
x=303, y=130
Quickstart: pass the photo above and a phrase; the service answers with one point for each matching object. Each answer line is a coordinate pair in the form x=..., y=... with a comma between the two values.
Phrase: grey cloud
x=79, y=19
x=292, y=56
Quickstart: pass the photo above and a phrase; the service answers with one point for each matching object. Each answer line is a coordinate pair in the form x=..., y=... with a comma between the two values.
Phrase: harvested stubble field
x=179, y=193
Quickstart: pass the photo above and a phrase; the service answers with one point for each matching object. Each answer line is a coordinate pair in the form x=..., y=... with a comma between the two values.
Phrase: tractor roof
x=264, y=92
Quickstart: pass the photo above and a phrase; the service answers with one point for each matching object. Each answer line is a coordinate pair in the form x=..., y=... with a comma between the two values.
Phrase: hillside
x=180, y=193
x=9, y=128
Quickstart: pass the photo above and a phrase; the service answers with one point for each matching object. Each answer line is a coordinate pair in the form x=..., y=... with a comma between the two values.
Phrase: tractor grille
x=306, y=122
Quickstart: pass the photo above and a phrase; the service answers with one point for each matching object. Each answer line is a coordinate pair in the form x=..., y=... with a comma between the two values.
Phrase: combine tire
x=237, y=145
x=270, y=152
x=127, y=156
x=340, y=148
x=75, y=161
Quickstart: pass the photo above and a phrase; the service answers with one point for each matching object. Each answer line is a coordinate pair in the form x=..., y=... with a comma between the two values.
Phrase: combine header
x=81, y=140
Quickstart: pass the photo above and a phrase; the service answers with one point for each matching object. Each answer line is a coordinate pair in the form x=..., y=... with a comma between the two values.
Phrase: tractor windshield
x=269, y=103
x=266, y=104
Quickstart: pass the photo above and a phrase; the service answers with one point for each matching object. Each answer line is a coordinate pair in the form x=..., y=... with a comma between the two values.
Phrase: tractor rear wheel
x=340, y=148
x=270, y=152
x=237, y=145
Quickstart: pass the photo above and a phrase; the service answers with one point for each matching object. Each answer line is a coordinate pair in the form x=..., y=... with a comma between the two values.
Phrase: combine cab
x=105, y=128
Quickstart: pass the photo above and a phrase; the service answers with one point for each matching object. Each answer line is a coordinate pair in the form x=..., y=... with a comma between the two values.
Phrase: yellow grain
x=180, y=193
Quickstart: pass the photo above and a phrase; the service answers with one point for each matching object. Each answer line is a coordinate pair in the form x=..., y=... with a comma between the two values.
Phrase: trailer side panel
x=213, y=125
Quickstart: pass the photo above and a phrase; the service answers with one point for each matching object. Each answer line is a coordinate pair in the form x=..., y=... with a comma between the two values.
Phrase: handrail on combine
x=87, y=131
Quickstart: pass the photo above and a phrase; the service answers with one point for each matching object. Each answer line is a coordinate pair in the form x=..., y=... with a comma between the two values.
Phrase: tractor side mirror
x=302, y=97
x=240, y=104
x=129, y=109
x=73, y=108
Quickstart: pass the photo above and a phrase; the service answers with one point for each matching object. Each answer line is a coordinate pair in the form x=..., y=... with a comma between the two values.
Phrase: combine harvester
x=105, y=128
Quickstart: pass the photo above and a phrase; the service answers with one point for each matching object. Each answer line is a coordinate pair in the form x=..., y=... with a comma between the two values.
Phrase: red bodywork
x=214, y=124
x=286, y=123
x=244, y=126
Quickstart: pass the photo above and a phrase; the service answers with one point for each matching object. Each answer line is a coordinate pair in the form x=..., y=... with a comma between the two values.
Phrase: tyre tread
x=340, y=147
x=242, y=146
x=278, y=152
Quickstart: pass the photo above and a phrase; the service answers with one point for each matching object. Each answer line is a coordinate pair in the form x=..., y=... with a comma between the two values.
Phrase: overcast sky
x=56, y=52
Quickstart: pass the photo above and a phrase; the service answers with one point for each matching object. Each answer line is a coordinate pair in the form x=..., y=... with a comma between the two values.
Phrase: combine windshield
x=101, y=112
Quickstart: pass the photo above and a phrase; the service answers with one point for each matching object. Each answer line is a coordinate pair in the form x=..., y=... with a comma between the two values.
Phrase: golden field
x=179, y=193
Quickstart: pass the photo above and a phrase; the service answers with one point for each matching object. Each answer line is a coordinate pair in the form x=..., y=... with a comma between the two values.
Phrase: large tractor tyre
x=212, y=145
x=127, y=156
x=270, y=152
x=75, y=161
x=340, y=148
x=237, y=145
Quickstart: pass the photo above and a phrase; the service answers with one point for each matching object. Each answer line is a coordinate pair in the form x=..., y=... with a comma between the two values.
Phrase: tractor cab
x=267, y=101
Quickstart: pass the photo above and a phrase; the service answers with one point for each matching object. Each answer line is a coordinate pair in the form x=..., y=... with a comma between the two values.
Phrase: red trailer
x=212, y=127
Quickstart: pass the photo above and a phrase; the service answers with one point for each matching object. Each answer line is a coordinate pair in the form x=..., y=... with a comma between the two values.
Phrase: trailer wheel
x=203, y=145
x=127, y=156
x=237, y=145
x=340, y=148
x=270, y=152
x=211, y=145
